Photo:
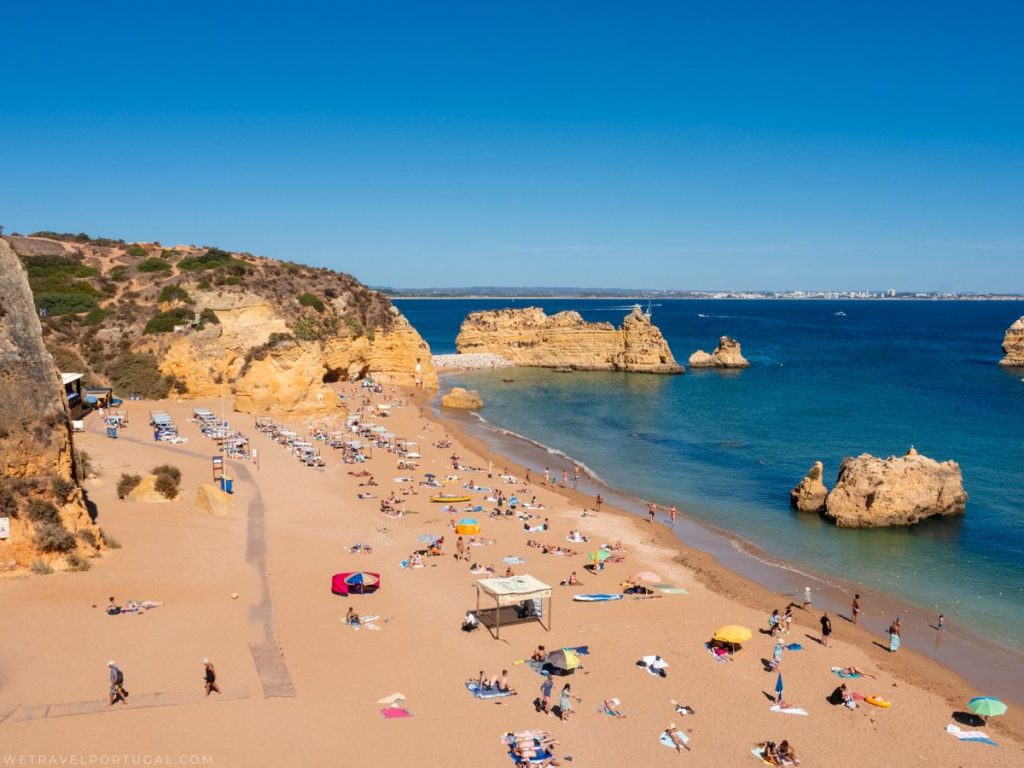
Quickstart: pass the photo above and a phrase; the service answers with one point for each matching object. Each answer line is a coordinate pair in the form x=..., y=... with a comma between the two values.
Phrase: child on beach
x=565, y=703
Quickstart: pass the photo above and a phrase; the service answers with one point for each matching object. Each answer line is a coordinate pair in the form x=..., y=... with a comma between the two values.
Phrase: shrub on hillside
x=62, y=488
x=8, y=501
x=308, y=299
x=42, y=512
x=208, y=317
x=127, y=484
x=135, y=373
x=174, y=293
x=154, y=264
x=77, y=563
x=119, y=274
x=40, y=567
x=50, y=266
x=96, y=316
x=135, y=250
x=88, y=537
x=168, y=478
x=51, y=537
x=65, y=303
x=164, y=322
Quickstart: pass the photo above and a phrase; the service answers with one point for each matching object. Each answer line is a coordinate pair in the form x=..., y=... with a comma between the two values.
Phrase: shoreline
x=910, y=666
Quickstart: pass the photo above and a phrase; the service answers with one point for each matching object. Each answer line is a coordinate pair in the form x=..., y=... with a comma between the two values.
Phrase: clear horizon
x=862, y=148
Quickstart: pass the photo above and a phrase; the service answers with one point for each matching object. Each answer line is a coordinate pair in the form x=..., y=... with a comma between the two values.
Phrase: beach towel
x=843, y=673
x=789, y=710
x=607, y=711
x=794, y=647
x=718, y=658
x=538, y=758
x=758, y=752
x=513, y=560
x=666, y=741
x=978, y=736
x=427, y=538
x=395, y=713
x=894, y=643
x=669, y=589
x=485, y=693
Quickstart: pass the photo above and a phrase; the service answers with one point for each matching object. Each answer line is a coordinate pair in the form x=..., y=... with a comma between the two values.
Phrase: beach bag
x=119, y=680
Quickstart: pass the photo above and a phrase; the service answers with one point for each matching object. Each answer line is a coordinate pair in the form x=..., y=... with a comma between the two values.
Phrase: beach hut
x=517, y=599
x=467, y=526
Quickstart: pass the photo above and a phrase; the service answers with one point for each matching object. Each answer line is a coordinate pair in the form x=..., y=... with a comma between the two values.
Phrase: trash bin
x=112, y=432
x=227, y=485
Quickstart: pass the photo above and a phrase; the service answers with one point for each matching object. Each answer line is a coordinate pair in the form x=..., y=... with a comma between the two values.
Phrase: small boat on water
x=840, y=313
x=446, y=499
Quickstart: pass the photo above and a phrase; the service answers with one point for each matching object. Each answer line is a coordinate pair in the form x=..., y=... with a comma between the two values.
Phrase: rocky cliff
x=1013, y=345
x=809, y=494
x=39, y=490
x=530, y=337
x=202, y=321
x=901, y=490
x=726, y=355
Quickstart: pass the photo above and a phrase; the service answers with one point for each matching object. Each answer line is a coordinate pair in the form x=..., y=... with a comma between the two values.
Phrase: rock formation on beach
x=726, y=355
x=466, y=399
x=529, y=337
x=40, y=494
x=809, y=494
x=1013, y=345
x=201, y=321
x=901, y=490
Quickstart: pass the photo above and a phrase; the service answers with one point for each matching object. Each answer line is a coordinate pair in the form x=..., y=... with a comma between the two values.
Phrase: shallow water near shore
x=726, y=448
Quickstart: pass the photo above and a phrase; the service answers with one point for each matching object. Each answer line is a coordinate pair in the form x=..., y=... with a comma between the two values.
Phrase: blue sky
x=813, y=145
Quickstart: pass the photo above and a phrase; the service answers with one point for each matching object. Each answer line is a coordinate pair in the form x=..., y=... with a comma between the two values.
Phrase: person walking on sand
x=210, y=677
x=460, y=549
x=855, y=609
x=652, y=509
x=576, y=477
x=672, y=516
x=942, y=623
x=894, y=636
x=117, y=691
x=545, y=694
x=826, y=629
x=565, y=703
x=598, y=501
x=565, y=478
x=547, y=475
x=807, y=599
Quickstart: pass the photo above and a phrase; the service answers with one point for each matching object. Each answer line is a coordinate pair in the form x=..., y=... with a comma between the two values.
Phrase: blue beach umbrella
x=778, y=686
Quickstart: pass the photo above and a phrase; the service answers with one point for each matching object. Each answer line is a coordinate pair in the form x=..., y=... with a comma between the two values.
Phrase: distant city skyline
x=751, y=147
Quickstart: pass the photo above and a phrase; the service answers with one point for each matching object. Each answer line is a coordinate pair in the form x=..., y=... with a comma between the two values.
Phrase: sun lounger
x=978, y=736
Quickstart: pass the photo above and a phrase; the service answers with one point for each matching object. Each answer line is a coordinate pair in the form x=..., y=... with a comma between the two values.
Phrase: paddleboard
x=449, y=499
x=597, y=598
x=878, y=701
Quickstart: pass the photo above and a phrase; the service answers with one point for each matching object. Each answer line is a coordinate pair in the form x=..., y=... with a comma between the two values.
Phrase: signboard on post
x=5, y=527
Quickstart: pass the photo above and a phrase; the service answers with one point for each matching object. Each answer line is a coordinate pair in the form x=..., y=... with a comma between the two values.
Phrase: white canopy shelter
x=517, y=599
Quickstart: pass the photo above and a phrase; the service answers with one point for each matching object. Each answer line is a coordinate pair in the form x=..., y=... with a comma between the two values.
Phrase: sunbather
x=677, y=742
x=787, y=753
x=352, y=618
x=611, y=706
x=771, y=753
x=856, y=672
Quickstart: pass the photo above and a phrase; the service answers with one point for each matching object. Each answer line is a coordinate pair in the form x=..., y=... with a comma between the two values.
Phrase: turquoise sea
x=727, y=447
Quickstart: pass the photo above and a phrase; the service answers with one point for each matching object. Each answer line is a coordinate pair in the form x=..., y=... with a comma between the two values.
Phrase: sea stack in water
x=726, y=355
x=809, y=494
x=466, y=399
x=529, y=337
x=40, y=496
x=900, y=490
x=1013, y=345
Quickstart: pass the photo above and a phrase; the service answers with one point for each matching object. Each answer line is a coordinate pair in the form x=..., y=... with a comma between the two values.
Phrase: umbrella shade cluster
x=355, y=583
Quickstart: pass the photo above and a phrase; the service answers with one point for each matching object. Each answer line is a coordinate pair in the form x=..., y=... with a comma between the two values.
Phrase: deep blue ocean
x=726, y=447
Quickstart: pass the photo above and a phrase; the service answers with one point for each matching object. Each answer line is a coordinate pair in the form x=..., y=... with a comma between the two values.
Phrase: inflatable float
x=449, y=499
x=878, y=701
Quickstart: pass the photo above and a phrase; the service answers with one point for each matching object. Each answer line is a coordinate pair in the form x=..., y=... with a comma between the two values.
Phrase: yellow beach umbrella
x=733, y=634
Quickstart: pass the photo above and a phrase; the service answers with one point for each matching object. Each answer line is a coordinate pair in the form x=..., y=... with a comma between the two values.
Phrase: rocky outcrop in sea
x=726, y=355
x=810, y=493
x=1013, y=345
x=529, y=337
x=901, y=490
x=463, y=399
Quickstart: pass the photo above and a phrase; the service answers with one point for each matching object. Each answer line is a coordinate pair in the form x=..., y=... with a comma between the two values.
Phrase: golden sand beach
x=300, y=687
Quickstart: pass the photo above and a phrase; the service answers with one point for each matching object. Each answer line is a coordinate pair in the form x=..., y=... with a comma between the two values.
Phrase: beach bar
x=73, y=390
x=517, y=600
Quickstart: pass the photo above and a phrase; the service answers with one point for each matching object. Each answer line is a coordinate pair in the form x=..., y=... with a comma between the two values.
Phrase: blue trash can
x=227, y=485
x=112, y=432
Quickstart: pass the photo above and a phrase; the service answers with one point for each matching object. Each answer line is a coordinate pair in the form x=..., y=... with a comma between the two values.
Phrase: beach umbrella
x=431, y=475
x=778, y=686
x=648, y=576
x=468, y=521
x=563, y=659
x=600, y=555
x=986, y=706
x=733, y=634
x=361, y=577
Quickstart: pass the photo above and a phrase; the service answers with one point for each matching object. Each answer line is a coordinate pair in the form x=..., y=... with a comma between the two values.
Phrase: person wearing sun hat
x=672, y=734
